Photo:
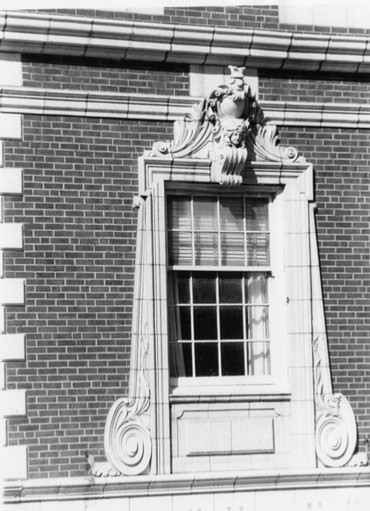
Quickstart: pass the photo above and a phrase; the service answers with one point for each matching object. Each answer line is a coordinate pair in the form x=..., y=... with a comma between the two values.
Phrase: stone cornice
x=24, y=32
x=27, y=100
x=259, y=480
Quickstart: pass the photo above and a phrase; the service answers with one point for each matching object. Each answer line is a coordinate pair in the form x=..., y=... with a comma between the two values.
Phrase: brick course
x=258, y=17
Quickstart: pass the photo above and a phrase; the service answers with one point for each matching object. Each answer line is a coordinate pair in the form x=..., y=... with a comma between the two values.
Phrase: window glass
x=206, y=359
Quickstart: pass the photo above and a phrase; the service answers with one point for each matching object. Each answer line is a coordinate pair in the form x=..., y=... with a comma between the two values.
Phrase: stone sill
x=182, y=484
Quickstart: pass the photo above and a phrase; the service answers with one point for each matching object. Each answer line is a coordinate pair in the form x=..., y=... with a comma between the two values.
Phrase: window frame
x=244, y=384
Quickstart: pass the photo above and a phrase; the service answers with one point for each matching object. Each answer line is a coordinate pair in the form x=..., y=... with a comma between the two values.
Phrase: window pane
x=180, y=359
x=206, y=248
x=231, y=322
x=231, y=214
x=259, y=358
x=258, y=322
x=204, y=289
x=206, y=359
x=183, y=323
x=257, y=214
x=256, y=288
x=179, y=213
x=183, y=288
x=258, y=249
x=180, y=248
x=205, y=213
x=232, y=249
x=205, y=323
x=232, y=358
x=230, y=288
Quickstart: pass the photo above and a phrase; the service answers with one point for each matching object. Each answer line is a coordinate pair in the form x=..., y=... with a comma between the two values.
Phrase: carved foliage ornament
x=230, y=128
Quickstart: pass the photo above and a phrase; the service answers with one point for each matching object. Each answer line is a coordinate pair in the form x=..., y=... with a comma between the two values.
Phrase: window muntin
x=218, y=300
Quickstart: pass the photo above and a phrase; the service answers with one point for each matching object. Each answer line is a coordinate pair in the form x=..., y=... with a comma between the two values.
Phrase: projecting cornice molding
x=17, y=100
x=163, y=42
x=36, y=490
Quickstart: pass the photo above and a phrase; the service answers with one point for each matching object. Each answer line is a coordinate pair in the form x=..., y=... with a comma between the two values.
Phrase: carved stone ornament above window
x=229, y=128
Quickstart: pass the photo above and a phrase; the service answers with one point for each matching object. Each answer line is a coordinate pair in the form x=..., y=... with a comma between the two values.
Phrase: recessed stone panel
x=224, y=432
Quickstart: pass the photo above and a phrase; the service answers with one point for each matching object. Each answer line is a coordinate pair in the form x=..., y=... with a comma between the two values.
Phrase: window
x=219, y=265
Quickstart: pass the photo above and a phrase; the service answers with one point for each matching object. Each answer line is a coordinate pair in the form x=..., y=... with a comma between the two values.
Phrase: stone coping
x=26, y=32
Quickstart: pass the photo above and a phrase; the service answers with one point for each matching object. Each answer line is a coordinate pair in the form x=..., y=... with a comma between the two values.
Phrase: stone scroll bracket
x=128, y=438
x=336, y=430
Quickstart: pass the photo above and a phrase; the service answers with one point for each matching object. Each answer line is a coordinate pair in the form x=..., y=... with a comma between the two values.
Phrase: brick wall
x=58, y=72
x=306, y=86
x=80, y=177
x=257, y=17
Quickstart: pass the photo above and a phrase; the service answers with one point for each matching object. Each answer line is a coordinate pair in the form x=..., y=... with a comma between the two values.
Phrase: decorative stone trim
x=11, y=181
x=10, y=126
x=27, y=100
x=13, y=403
x=128, y=436
x=231, y=129
x=93, y=37
x=16, y=461
x=12, y=347
x=336, y=431
x=185, y=484
x=12, y=291
x=10, y=69
x=11, y=236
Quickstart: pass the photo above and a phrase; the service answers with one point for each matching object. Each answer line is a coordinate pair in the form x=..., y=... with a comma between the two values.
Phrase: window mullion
x=218, y=232
x=192, y=324
x=218, y=325
x=192, y=229
x=245, y=326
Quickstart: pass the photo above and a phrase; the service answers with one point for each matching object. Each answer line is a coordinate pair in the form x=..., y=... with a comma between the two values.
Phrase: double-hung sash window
x=219, y=266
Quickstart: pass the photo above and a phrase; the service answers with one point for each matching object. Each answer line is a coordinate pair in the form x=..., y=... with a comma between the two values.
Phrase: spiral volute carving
x=131, y=448
x=128, y=444
x=336, y=435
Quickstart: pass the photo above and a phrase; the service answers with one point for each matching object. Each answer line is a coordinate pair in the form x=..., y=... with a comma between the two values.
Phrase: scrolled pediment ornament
x=229, y=128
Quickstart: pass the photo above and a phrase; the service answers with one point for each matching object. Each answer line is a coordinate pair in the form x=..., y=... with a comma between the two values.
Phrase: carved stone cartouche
x=229, y=128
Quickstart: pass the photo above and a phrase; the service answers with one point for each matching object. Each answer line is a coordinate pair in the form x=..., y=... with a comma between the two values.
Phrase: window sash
x=218, y=235
x=203, y=324
x=210, y=231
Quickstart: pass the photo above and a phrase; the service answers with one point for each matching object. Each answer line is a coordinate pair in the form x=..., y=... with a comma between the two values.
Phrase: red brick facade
x=80, y=177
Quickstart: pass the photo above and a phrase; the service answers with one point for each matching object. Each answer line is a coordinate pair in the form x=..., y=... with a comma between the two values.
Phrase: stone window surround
x=226, y=142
